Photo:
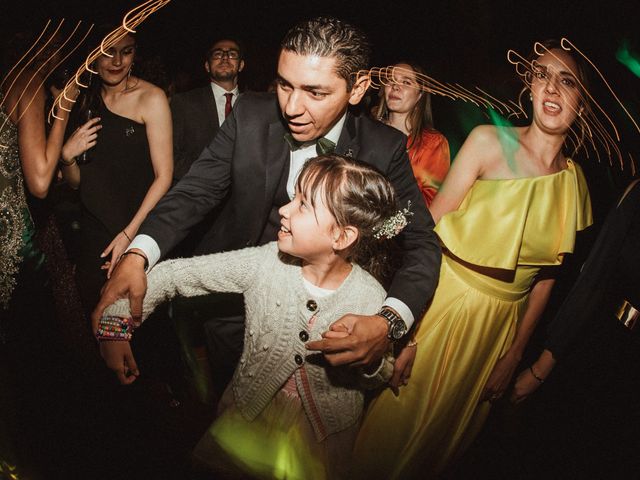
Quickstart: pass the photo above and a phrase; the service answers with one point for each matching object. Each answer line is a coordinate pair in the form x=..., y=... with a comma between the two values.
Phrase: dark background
x=463, y=41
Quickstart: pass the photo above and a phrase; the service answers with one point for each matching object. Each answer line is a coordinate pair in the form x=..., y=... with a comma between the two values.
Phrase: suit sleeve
x=202, y=189
x=417, y=277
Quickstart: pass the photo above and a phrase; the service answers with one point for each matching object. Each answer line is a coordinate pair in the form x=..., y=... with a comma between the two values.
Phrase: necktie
x=227, y=105
x=323, y=145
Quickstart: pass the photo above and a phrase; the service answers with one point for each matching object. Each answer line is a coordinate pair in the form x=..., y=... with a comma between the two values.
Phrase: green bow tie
x=323, y=145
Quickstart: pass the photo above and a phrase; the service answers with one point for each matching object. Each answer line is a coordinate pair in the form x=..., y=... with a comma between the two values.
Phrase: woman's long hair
x=421, y=117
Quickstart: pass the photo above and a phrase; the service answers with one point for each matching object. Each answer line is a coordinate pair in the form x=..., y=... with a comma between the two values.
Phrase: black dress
x=113, y=185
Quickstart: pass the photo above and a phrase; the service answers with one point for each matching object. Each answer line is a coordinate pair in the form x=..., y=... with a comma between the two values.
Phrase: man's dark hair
x=231, y=39
x=330, y=37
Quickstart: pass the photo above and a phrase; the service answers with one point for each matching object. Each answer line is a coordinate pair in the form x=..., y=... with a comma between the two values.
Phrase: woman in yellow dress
x=507, y=213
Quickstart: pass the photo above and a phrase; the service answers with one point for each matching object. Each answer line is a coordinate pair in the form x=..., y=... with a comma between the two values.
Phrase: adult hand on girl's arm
x=129, y=281
x=366, y=343
x=118, y=357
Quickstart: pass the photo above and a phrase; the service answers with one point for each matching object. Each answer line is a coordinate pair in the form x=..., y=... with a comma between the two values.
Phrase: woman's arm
x=39, y=154
x=530, y=379
x=468, y=166
x=157, y=119
x=505, y=367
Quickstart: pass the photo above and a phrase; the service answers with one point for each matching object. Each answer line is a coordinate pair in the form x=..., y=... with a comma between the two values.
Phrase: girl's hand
x=81, y=140
x=118, y=356
x=499, y=378
x=116, y=248
x=402, y=368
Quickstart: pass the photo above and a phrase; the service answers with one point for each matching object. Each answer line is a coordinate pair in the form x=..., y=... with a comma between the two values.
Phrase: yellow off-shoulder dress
x=508, y=230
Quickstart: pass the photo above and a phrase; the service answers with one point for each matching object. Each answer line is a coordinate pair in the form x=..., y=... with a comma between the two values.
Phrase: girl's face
x=403, y=93
x=556, y=91
x=307, y=231
x=114, y=69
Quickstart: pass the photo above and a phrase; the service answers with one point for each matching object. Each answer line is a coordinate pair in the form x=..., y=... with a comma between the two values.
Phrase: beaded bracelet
x=115, y=328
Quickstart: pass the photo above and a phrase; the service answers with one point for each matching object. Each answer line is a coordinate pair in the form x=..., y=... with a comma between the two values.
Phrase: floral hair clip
x=393, y=225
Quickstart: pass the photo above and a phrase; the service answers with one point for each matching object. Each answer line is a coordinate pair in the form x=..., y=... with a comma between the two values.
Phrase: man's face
x=312, y=96
x=220, y=65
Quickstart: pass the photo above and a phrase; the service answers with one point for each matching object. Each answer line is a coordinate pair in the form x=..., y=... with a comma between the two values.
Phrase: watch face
x=398, y=329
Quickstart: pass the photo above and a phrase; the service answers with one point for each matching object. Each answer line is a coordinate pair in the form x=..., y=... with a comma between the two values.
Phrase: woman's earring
x=530, y=97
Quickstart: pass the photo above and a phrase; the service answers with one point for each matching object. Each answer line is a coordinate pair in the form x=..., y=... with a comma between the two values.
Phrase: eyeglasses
x=230, y=54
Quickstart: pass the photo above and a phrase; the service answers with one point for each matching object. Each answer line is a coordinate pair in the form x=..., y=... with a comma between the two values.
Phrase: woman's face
x=403, y=93
x=556, y=91
x=114, y=69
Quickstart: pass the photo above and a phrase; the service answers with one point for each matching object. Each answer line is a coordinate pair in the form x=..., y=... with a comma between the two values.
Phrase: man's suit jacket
x=195, y=123
x=241, y=167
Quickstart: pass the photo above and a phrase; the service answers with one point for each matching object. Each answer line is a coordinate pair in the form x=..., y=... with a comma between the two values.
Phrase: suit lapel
x=210, y=102
x=348, y=144
x=275, y=160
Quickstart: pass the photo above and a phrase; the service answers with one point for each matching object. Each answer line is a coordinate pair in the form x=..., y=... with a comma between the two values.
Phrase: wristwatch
x=397, y=327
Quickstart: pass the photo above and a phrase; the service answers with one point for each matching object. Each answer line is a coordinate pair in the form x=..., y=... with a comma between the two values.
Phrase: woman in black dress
x=127, y=172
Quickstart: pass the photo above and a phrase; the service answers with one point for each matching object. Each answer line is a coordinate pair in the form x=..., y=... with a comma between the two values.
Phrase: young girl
x=287, y=413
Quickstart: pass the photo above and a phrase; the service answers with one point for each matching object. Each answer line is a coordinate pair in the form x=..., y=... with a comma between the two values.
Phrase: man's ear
x=360, y=86
x=345, y=237
x=241, y=66
x=206, y=66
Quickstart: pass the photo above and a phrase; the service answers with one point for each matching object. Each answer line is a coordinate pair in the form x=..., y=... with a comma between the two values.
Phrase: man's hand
x=128, y=280
x=365, y=343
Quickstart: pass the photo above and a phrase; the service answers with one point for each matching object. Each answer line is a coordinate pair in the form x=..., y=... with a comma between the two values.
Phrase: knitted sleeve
x=190, y=277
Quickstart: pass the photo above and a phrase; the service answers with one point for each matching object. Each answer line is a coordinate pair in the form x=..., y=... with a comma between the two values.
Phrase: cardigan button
x=251, y=333
x=312, y=306
x=304, y=336
x=298, y=359
x=265, y=347
x=278, y=303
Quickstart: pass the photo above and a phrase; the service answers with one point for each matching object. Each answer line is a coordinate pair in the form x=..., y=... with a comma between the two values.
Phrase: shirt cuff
x=391, y=302
x=150, y=248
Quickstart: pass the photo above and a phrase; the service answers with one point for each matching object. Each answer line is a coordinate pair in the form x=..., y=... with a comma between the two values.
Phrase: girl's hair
x=421, y=117
x=357, y=195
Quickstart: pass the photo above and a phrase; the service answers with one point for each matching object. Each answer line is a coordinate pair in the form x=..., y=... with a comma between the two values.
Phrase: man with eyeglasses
x=198, y=113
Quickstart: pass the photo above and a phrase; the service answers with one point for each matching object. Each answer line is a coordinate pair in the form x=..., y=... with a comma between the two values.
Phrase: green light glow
x=630, y=60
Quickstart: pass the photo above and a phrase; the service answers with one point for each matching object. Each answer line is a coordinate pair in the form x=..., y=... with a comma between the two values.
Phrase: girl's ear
x=345, y=237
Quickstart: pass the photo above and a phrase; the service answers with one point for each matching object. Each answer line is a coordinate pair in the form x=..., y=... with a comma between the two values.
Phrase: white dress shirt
x=221, y=100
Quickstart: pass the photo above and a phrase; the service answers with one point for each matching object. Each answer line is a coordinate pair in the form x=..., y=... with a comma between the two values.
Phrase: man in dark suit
x=250, y=167
x=198, y=113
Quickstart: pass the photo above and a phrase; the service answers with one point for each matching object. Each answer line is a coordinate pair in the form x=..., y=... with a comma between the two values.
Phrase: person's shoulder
x=190, y=95
x=370, y=288
x=257, y=100
x=258, y=106
x=150, y=94
x=377, y=131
